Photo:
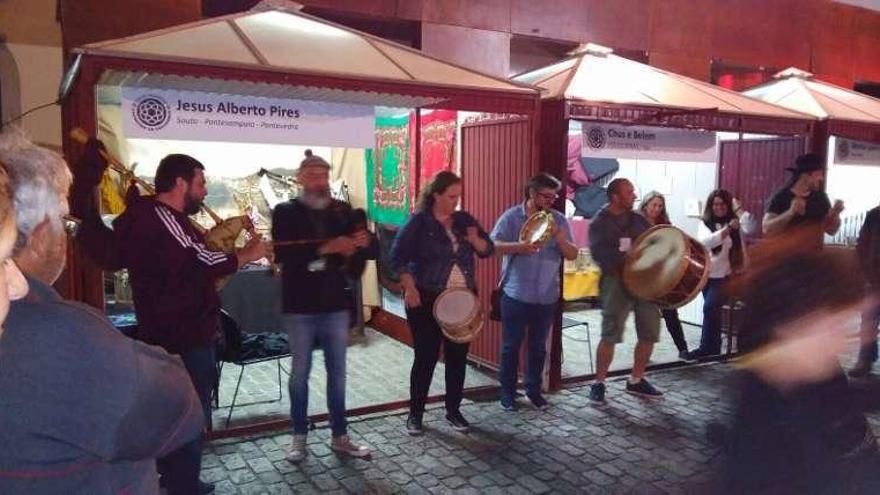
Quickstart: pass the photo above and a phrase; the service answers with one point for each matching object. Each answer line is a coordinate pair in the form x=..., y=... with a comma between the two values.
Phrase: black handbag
x=495, y=299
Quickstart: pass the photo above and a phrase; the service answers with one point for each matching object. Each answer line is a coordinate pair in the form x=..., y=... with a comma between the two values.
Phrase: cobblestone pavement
x=628, y=445
x=378, y=372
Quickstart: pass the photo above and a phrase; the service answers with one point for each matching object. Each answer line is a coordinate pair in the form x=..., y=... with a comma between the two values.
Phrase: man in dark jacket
x=84, y=409
x=326, y=246
x=869, y=255
x=173, y=276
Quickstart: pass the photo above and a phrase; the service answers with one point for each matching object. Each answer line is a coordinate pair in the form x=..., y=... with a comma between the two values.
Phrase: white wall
x=857, y=185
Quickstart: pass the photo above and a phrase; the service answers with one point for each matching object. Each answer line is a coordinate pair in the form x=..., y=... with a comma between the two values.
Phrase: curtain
x=388, y=172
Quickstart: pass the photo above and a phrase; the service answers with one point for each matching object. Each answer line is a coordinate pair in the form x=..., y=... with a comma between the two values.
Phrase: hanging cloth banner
x=199, y=116
x=388, y=171
x=438, y=146
x=647, y=143
x=850, y=152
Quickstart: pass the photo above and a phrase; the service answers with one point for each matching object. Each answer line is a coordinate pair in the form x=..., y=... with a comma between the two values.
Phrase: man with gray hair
x=84, y=408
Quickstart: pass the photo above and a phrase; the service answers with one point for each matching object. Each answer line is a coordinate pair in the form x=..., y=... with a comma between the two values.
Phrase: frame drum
x=458, y=312
x=538, y=228
x=666, y=266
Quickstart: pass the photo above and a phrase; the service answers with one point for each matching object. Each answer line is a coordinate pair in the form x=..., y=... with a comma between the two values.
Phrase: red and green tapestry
x=438, y=145
x=388, y=171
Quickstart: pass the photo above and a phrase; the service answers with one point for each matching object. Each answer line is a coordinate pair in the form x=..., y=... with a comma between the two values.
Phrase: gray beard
x=315, y=201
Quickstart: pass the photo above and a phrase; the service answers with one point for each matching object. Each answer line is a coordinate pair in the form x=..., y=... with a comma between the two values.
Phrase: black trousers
x=427, y=338
x=673, y=326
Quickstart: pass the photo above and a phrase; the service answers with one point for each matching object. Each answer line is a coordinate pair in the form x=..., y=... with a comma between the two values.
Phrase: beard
x=191, y=205
x=316, y=199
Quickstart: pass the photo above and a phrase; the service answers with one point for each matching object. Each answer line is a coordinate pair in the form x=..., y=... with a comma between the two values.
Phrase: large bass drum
x=666, y=266
x=459, y=314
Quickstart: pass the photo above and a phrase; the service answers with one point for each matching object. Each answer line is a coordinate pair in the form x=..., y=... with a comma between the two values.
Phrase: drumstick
x=300, y=242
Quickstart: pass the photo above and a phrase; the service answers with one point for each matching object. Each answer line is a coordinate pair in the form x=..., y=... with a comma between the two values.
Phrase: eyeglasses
x=547, y=196
x=71, y=225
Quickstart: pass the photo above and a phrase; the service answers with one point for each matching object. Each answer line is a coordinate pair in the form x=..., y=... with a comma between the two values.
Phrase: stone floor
x=576, y=361
x=378, y=372
x=629, y=445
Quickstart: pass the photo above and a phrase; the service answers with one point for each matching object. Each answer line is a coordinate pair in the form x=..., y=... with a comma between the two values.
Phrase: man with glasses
x=530, y=287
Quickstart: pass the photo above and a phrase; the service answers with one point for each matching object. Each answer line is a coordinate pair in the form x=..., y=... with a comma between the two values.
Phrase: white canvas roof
x=797, y=90
x=290, y=41
x=594, y=74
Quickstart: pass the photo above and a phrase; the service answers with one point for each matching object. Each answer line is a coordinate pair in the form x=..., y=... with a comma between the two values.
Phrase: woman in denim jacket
x=434, y=251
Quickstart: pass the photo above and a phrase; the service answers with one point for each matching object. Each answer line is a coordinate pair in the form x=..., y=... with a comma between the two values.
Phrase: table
x=580, y=285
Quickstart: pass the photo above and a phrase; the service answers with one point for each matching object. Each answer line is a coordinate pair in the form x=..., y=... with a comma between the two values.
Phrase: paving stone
x=533, y=484
x=242, y=476
x=627, y=446
x=233, y=461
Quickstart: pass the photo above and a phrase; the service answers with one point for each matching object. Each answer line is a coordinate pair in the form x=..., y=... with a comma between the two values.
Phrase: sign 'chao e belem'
x=647, y=143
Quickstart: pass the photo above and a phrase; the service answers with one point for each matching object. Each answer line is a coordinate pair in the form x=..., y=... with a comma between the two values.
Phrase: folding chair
x=252, y=349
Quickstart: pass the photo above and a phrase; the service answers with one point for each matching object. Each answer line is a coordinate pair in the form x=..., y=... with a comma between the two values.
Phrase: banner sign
x=647, y=143
x=850, y=152
x=198, y=116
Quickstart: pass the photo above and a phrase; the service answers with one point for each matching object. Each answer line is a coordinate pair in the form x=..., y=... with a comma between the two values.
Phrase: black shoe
x=643, y=388
x=509, y=405
x=687, y=357
x=539, y=402
x=597, y=392
x=458, y=422
x=414, y=425
x=696, y=355
x=861, y=369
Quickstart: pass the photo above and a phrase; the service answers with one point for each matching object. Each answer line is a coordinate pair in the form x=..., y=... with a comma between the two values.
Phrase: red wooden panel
x=566, y=20
x=756, y=31
x=493, y=15
x=753, y=169
x=679, y=27
x=621, y=23
x=495, y=163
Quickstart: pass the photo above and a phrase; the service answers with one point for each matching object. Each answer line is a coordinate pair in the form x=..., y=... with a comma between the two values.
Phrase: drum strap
x=506, y=273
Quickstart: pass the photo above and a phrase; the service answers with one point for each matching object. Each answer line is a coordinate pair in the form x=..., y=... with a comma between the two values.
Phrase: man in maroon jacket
x=173, y=276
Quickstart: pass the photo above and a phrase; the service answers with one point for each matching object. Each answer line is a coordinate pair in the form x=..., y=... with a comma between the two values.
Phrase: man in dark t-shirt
x=802, y=204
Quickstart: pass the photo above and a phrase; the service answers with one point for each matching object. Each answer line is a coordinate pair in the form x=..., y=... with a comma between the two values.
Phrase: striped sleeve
x=203, y=254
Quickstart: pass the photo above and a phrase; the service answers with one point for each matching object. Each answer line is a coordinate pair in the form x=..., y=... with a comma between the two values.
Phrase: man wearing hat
x=318, y=241
x=802, y=203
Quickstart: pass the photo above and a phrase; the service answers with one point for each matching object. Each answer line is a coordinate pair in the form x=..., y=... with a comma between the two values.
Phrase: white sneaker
x=343, y=445
x=297, y=451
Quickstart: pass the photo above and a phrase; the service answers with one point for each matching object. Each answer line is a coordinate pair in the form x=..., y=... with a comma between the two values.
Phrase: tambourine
x=538, y=229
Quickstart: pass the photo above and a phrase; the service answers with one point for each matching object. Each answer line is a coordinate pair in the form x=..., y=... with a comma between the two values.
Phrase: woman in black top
x=433, y=251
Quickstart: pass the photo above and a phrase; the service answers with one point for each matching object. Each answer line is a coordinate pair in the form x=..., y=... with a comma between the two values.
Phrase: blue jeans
x=713, y=300
x=329, y=331
x=180, y=469
x=516, y=317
